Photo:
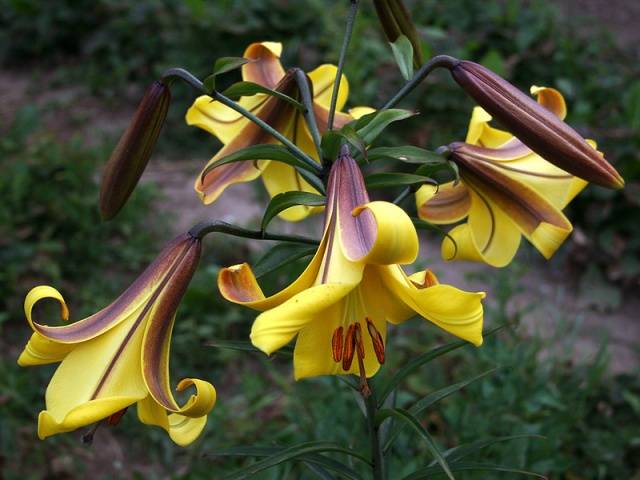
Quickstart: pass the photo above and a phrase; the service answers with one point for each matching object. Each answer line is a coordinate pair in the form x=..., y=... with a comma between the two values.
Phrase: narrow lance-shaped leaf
x=279, y=256
x=407, y=154
x=285, y=200
x=403, y=53
x=407, y=417
x=393, y=179
x=370, y=126
x=222, y=65
x=247, y=89
x=430, y=472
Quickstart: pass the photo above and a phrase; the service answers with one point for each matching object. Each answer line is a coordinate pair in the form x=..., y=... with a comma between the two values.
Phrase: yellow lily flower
x=120, y=355
x=506, y=191
x=340, y=305
x=236, y=132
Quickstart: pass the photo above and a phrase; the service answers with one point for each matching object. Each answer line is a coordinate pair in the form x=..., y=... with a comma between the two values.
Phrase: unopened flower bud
x=534, y=125
x=130, y=157
x=395, y=20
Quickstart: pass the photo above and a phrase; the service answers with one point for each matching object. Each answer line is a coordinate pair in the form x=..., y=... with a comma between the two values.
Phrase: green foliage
x=50, y=224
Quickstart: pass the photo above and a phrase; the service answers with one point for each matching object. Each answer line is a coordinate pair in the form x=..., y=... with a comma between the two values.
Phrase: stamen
x=364, y=385
x=87, y=438
x=377, y=340
x=114, y=419
x=337, y=344
x=349, y=348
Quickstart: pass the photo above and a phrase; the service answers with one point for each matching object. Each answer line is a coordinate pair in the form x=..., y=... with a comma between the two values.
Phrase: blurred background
x=566, y=366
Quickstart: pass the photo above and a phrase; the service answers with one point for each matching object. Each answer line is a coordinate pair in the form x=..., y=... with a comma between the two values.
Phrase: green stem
x=404, y=194
x=309, y=113
x=377, y=457
x=189, y=78
x=436, y=62
x=204, y=228
x=343, y=52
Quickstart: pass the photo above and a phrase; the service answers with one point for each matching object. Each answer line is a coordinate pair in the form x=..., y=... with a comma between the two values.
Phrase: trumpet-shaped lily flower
x=120, y=356
x=506, y=191
x=237, y=132
x=340, y=305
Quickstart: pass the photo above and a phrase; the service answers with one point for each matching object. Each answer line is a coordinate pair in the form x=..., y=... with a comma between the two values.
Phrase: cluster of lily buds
x=395, y=20
x=539, y=129
x=130, y=157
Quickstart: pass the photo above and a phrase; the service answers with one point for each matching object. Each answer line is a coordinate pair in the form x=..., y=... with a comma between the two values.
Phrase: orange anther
x=337, y=344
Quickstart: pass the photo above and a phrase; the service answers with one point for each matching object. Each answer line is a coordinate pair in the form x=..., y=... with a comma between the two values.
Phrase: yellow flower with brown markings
x=340, y=305
x=237, y=132
x=506, y=191
x=120, y=356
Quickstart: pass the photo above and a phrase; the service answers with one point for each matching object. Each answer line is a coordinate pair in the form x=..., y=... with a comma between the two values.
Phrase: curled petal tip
x=129, y=159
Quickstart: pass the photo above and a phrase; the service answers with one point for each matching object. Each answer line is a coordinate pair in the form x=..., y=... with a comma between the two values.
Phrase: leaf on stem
x=248, y=89
x=246, y=346
x=279, y=256
x=408, y=418
x=222, y=65
x=370, y=126
x=285, y=200
x=393, y=179
x=403, y=53
x=407, y=154
x=430, y=472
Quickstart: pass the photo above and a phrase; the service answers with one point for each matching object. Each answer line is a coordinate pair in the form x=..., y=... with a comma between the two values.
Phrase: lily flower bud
x=130, y=157
x=395, y=20
x=539, y=129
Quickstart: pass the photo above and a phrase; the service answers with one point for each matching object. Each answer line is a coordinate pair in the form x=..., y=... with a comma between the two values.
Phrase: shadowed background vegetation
x=73, y=70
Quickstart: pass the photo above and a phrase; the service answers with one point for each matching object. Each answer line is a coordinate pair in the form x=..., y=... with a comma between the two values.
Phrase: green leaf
x=226, y=64
x=222, y=65
x=458, y=453
x=248, y=89
x=331, y=143
x=350, y=135
x=403, y=53
x=421, y=360
x=371, y=125
x=407, y=154
x=425, y=402
x=304, y=451
x=279, y=256
x=388, y=179
x=430, y=472
x=407, y=417
x=285, y=200
x=261, y=151
x=246, y=346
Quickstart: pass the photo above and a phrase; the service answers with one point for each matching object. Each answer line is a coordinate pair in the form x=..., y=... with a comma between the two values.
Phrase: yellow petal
x=276, y=327
x=264, y=67
x=322, y=79
x=551, y=99
x=239, y=285
x=482, y=134
x=448, y=203
x=105, y=368
x=41, y=351
x=82, y=415
x=181, y=429
x=358, y=112
x=456, y=311
x=396, y=240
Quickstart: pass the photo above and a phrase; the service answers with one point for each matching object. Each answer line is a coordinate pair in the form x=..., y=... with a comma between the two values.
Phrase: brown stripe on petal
x=264, y=67
x=357, y=234
x=155, y=349
x=337, y=344
x=89, y=327
x=522, y=204
x=276, y=112
x=188, y=257
x=448, y=205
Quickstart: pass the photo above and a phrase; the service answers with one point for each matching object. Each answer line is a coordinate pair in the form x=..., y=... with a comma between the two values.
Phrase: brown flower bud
x=535, y=126
x=395, y=20
x=130, y=157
